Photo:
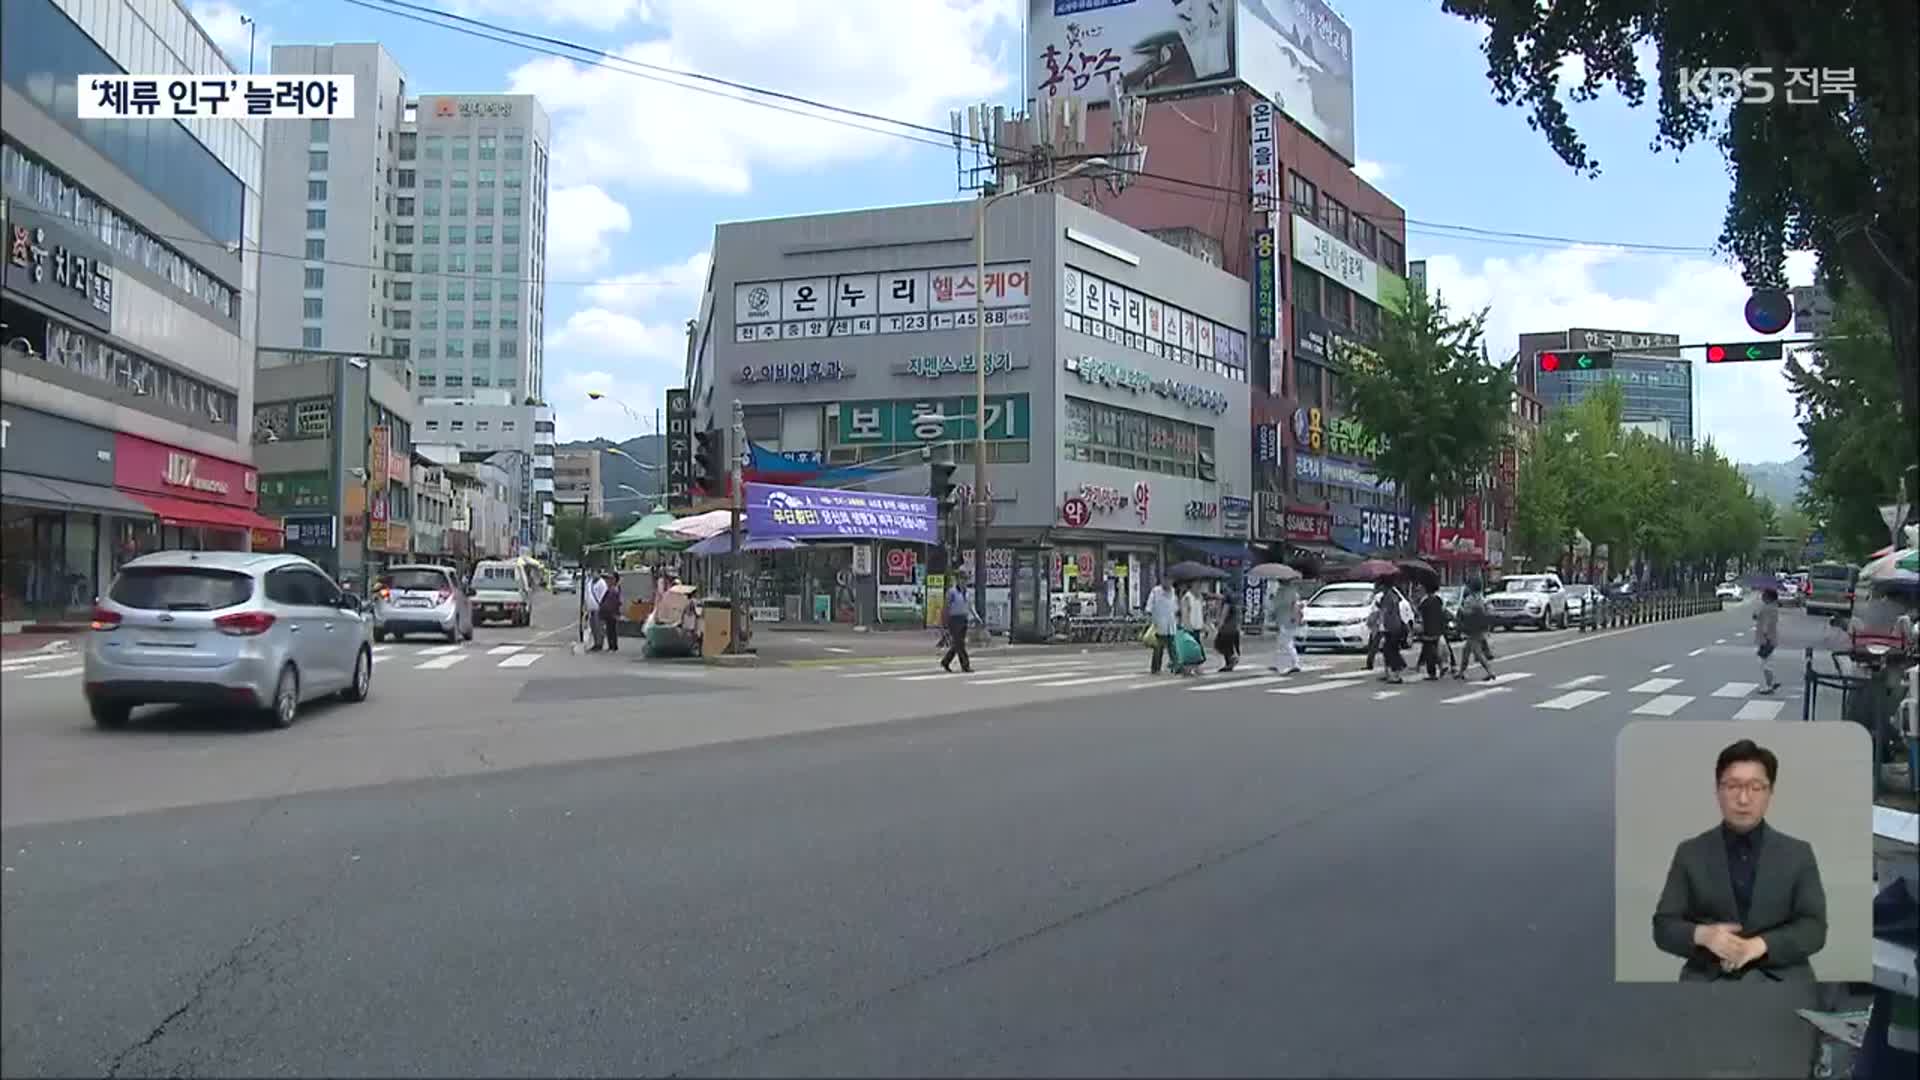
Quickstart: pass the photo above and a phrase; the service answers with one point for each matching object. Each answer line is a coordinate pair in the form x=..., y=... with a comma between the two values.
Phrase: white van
x=502, y=592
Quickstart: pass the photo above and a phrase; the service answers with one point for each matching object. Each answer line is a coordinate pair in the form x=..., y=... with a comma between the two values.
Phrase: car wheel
x=453, y=635
x=362, y=677
x=110, y=715
x=286, y=698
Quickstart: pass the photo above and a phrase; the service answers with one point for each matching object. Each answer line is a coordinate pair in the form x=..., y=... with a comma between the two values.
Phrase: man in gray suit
x=1742, y=896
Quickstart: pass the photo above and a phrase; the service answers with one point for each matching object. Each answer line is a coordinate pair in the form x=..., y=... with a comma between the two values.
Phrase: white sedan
x=1730, y=590
x=1336, y=617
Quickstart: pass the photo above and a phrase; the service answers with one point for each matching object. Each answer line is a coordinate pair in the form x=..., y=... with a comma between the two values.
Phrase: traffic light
x=940, y=485
x=1743, y=351
x=710, y=461
x=1575, y=360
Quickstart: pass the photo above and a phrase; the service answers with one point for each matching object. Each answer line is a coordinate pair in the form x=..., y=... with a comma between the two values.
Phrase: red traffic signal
x=1580, y=360
x=1549, y=361
x=1745, y=351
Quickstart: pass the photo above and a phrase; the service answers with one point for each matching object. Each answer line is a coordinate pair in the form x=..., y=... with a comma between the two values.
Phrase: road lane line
x=1029, y=677
x=61, y=674
x=1720, y=641
x=504, y=650
x=439, y=650
x=1476, y=695
x=1663, y=667
x=1322, y=685
x=1088, y=680
x=525, y=659
x=1655, y=686
x=1581, y=681
x=1241, y=683
x=1760, y=710
x=29, y=661
x=1736, y=689
x=1382, y=695
x=1696, y=652
x=1664, y=705
x=929, y=675
x=1571, y=700
x=440, y=663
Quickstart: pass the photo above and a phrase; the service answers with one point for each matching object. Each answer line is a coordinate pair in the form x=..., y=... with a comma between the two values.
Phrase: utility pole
x=736, y=454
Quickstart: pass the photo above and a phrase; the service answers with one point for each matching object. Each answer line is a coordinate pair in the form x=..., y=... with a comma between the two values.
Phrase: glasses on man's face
x=1748, y=787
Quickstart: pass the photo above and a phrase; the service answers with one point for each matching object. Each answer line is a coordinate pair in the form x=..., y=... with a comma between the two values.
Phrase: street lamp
x=981, y=504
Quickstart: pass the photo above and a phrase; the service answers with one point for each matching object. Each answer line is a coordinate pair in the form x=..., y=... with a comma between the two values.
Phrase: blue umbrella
x=722, y=544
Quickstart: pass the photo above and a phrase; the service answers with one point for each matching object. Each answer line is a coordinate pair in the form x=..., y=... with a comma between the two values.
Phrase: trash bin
x=716, y=627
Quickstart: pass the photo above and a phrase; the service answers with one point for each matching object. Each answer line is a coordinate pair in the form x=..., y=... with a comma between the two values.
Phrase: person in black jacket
x=1226, y=640
x=1433, y=630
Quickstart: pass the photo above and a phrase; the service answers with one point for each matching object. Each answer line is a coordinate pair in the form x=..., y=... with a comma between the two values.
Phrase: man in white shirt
x=596, y=592
x=1163, y=613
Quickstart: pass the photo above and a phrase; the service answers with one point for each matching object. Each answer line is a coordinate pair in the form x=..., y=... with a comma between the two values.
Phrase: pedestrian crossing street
x=1663, y=696
x=67, y=664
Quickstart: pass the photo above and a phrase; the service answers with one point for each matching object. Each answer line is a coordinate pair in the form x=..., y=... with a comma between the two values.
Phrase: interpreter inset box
x=1743, y=852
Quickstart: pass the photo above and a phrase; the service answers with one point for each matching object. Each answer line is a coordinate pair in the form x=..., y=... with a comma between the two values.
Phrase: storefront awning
x=68, y=495
x=1227, y=550
x=1325, y=552
x=212, y=515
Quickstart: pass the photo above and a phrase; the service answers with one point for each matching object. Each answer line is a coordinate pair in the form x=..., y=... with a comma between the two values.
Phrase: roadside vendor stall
x=642, y=539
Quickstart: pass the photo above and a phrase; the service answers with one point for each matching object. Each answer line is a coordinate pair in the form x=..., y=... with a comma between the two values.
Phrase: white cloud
x=679, y=282
x=1371, y=171
x=580, y=222
x=595, y=14
x=1747, y=409
x=222, y=23
x=628, y=360
x=906, y=60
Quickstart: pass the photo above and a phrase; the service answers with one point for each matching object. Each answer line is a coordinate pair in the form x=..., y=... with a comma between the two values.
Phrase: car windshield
x=1524, y=584
x=1337, y=597
x=502, y=574
x=181, y=588
x=422, y=580
x=1832, y=573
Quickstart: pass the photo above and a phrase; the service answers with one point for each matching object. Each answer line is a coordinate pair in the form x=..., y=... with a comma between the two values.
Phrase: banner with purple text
x=804, y=513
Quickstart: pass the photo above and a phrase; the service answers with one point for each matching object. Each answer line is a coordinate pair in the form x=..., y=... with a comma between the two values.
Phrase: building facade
x=1117, y=387
x=576, y=480
x=1656, y=381
x=128, y=302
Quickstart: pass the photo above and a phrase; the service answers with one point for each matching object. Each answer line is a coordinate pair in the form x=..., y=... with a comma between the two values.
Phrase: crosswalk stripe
x=873, y=675
x=1321, y=686
x=1697, y=652
x=1382, y=695
x=61, y=674
x=1232, y=683
x=1583, y=680
x=439, y=650
x=1476, y=695
x=524, y=659
x=504, y=650
x=924, y=678
x=1572, y=700
x=1655, y=686
x=1088, y=680
x=1736, y=690
x=29, y=661
x=381, y=650
x=1028, y=677
x=440, y=663
x=1663, y=667
x=1665, y=705
x=1760, y=710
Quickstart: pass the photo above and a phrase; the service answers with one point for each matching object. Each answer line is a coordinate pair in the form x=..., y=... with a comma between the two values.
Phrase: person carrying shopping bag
x=1163, y=618
x=1189, y=653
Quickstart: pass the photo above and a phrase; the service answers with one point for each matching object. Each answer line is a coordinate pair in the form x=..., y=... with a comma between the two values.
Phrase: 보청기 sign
x=812, y=513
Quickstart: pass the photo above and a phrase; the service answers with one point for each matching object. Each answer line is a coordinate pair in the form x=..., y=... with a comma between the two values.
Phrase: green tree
x=573, y=531
x=1425, y=384
x=1850, y=426
x=1839, y=176
x=1542, y=524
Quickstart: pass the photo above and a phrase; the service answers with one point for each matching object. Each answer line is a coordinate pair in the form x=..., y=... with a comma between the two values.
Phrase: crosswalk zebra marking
x=1760, y=710
x=1655, y=686
x=1662, y=667
x=1001, y=680
x=1476, y=695
x=523, y=659
x=1697, y=652
x=1240, y=683
x=439, y=650
x=1336, y=682
x=1736, y=690
x=1383, y=695
x=1664, y=705
x=440, y=663
x=1571, y=700
x=60, y=674
x=1574, y=684
x=504, y=650
x=1088, y=680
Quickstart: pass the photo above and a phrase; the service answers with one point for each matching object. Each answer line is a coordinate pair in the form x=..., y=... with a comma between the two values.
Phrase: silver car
x=422, y=599
x=254, y=631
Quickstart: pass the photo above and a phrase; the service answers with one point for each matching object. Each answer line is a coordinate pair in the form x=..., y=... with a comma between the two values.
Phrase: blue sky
x=643, y=170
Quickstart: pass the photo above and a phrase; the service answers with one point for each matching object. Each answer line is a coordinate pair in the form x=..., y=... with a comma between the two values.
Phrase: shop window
x=48, y=562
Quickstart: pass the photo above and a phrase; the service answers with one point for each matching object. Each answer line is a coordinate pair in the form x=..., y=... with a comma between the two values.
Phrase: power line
x=774, y=99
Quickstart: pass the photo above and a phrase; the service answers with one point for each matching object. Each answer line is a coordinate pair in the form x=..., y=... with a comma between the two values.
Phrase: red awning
x=213, y=515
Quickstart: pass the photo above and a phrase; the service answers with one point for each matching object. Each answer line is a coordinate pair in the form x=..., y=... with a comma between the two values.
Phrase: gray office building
x=1655, y=379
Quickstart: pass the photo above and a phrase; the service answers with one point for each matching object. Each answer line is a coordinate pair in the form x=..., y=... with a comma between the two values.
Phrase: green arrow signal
x=1754, y=352
x=1583, y=361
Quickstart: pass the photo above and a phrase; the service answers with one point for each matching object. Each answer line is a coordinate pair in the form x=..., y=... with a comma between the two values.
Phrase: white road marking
x=1655, y=686
x=440, y=663
x=1760, y=710
x=830, y=667
x=525, y=659
x=1232, y=683
x=29, y=661
x=1089, y=680
x=1324, y=684
x=1664, y=705
x=873, y=675
x=1720, y=641
x=1382, y=695
x=1581, y=681
x=1736, y=689
x=1696, y=652
x=924, y=678
x=381, y=650
x=1030, y=677
x=1572, y=700
x=1663, y=667
x=61, y=674
x=1476, y=695
x=837, y=649
x=504, y=650
x=439, y=650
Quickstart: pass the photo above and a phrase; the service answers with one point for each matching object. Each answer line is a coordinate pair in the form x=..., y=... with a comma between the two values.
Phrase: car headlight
x=1533, y=605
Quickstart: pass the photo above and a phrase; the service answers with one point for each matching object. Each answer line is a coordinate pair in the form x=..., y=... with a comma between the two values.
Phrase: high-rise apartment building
x=127, y=308
x=420, y=228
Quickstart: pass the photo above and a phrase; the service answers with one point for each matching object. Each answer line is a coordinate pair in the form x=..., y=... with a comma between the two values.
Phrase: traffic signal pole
x=737, y=450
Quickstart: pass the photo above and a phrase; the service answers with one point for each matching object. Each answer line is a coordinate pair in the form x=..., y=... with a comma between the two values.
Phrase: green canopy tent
x=644, y=535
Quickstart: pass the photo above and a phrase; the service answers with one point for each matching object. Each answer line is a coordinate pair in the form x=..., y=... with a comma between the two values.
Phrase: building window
x=510, y=206
x=458, y=181
x=429, y=320
x=1109, y=435
x=480, y=425
x=433, y=182
x=456, y=425
x=313, y=419
x=429, y=289
x=316, y=191
x=509, y=349
x=1336, y=304
x=403, y=234
x=428, y=352
x=317, y=131
x=316, y=278
x=436, y=148
x=511, y=181
x=457, y=290
x=482, y=350
x=1366, y=319
x=311, y=308
x=509, y=290
x=402, y=347
x=403, y=290
x=483, y=264
x=483, y=207
x=483, y=234
x=1392, y=255
x=429, y=206
x=403, y=320
x=456, y=350
x=461, y=146
x=429, y=380
x=509, y=381
x=1306, y=289
x=457, y=234
x=316, y=219
x=402, y=263
x=404, y=206
x=516, y=146
x=482, y=317
x=429, y=262
x=316, y=249
x=1303, y=195
x=408, y=178
x=457, y=207
x=1306, y=381
x=1365, y=237
x=310, y=337
x=316, y=161
x=1334, y=215
x=409, y=145
x=510, y=235
x=456, y=262
x=509, y=320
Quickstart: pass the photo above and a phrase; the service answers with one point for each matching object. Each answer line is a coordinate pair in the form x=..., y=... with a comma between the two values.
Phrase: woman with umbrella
x=1186, y=577
x=1288, y=611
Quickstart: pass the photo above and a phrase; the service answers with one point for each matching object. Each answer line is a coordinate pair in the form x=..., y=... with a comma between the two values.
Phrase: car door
x=296, y=602
x=344, y=625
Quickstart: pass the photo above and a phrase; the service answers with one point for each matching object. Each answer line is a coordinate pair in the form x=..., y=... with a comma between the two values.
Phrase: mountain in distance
x=1779, y=481
x=616, y=470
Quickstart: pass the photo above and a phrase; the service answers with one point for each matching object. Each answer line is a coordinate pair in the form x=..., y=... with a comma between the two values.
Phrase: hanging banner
x=826, y=513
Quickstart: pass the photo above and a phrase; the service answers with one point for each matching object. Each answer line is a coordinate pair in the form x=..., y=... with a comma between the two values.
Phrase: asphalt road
x=1121, y=877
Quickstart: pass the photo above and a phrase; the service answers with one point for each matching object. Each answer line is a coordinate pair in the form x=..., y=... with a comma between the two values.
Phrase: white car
x=1536, y=600
x=1336, y=617
x=1730, y=590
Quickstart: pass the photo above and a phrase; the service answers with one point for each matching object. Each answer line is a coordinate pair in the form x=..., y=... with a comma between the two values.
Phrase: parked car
x=1336, y=617
x=1730, y=590
x=1450, y=596
x=1536, y=600
x=1579, y=597
x=1830, y=588
x=421, y=599
x=501, y=590
x=247, y=630
x=565, y=582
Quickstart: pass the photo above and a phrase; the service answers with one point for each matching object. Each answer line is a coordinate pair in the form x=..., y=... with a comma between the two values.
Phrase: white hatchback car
x=247, y=630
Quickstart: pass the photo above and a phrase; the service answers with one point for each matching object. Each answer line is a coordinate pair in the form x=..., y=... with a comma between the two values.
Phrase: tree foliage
x=574, y=531
x=1848, y=406
x=1425, y=381
x=1839, y=176
x=1638, y=497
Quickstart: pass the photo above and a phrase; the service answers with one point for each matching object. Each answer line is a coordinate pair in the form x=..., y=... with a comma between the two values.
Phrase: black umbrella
x=1374, y=570
x=1421, y=572
x=1193, y=571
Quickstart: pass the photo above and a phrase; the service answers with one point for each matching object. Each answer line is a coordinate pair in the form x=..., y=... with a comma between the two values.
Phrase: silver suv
x=422, y=599
x=246, y=630
x=1536, y=600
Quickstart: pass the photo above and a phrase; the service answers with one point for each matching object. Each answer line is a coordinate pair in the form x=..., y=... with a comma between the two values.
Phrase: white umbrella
x=699, y=526
x=1275, y=571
